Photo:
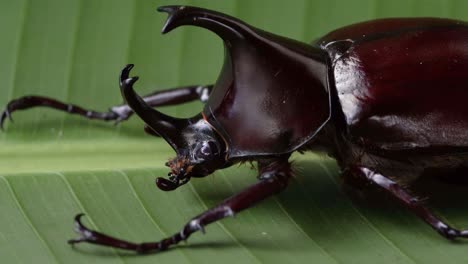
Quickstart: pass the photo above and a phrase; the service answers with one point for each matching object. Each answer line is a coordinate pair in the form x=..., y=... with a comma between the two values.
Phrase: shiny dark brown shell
x=399, y=84
x=272, y=95
x=403, y=83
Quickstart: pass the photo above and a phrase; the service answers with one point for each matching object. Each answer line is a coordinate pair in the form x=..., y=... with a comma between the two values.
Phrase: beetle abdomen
x=406, y=87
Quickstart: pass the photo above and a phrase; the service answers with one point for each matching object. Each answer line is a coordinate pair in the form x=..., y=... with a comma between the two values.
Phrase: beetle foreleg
x=30, y=101
x=117, y=113
x=273, y=179
x=412, y=203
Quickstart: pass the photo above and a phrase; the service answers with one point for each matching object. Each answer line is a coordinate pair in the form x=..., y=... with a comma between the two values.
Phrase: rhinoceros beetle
x=385, y=98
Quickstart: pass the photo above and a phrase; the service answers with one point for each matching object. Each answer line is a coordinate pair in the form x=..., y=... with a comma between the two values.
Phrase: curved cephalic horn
x=166, y=126
x=227, y=27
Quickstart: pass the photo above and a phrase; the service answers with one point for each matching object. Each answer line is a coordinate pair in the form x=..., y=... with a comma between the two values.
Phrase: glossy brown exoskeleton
x=385, y=98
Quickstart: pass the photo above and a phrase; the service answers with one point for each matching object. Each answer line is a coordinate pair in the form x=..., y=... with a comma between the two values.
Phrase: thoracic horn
x=259, y=68
x=226, y=27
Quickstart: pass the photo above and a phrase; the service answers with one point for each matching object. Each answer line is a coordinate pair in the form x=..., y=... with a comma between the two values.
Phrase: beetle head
x=199, y=148
x=201, y=153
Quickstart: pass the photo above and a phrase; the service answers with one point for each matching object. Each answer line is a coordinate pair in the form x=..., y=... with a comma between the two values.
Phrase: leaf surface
x=53, y=166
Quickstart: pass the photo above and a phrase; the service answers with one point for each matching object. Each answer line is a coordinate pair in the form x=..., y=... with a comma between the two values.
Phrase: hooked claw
x=94, y=237
x=5, y=114
x=86, y=235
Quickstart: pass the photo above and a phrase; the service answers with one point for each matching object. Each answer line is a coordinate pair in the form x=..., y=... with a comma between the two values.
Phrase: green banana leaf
x=53, y=165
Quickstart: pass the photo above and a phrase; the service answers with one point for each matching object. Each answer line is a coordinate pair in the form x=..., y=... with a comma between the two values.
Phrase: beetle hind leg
x=413, y=203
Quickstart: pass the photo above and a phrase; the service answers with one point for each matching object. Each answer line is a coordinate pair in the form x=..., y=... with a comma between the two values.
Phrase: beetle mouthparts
x=177, y=176
x=165, y=184
x=173, y=183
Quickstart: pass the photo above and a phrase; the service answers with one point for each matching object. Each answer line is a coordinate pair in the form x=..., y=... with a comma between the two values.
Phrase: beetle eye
x=205, y=150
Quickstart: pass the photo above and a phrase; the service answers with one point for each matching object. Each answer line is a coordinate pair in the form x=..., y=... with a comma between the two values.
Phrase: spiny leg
x=30, y=101
x=117, y=113
x=412, y=203
x=274, y=176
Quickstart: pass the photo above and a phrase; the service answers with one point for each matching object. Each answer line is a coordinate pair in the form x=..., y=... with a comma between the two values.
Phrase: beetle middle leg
x=273, y=178
x=411, y=202
x=116, y=113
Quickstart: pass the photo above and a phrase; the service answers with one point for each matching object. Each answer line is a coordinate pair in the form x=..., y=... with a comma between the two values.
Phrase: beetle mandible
x=385, y=98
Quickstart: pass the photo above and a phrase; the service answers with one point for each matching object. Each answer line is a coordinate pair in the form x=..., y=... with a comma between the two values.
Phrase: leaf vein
x=152, y=219
x=192, y=188
x=302, y=231
x=28, y=220
x=78, y=201
x=366, y=220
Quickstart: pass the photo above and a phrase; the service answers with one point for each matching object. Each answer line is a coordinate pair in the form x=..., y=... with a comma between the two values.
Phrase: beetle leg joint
x=447, y=231
x=195, y=225
x=228, y=211
x=203, y=93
